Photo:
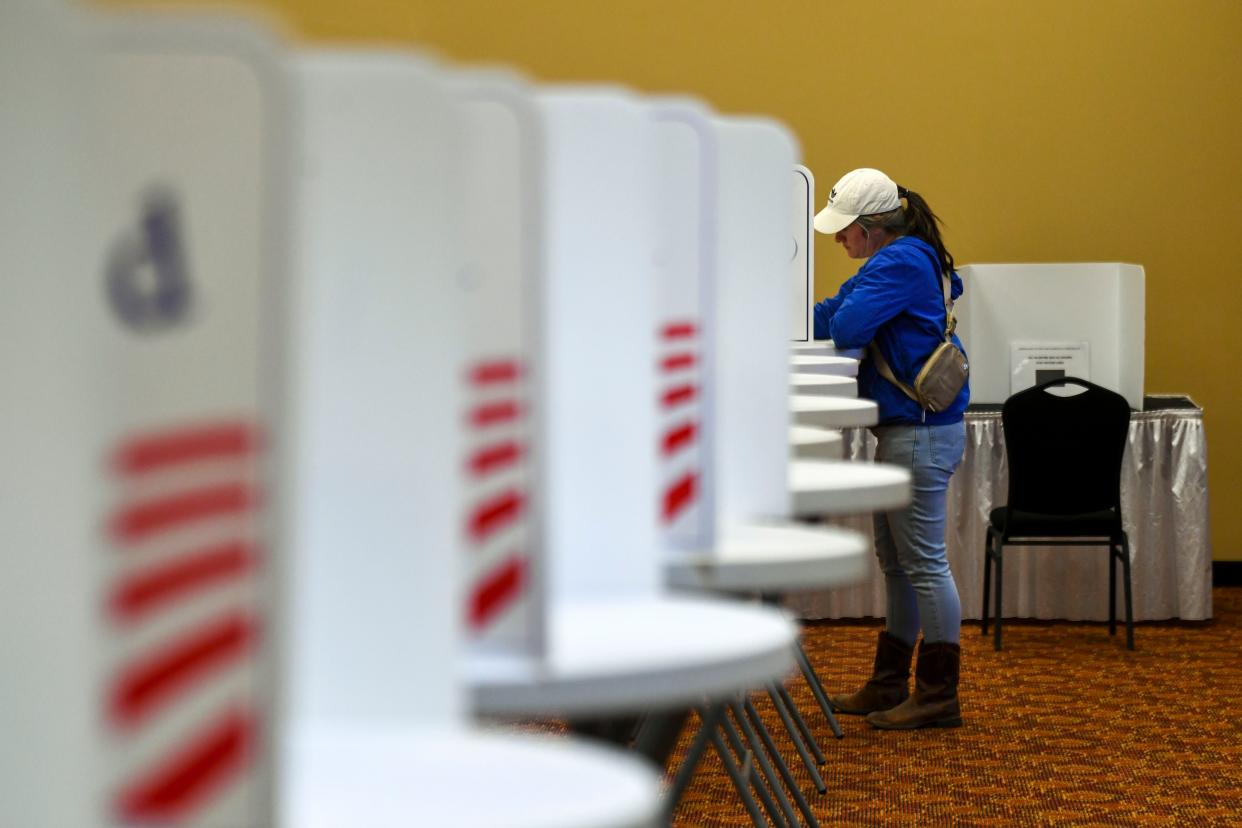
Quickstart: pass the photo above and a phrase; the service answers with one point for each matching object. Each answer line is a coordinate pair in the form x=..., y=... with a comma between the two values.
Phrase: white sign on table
x=1034, y=363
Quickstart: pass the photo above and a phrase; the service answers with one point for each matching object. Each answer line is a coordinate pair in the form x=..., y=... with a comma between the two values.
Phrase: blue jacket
x=897, y=300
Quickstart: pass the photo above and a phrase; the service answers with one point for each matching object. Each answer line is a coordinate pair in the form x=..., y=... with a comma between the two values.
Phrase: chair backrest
x=1065, y=452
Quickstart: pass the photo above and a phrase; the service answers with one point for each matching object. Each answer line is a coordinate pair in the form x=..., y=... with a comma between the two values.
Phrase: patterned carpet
x=1063, y=727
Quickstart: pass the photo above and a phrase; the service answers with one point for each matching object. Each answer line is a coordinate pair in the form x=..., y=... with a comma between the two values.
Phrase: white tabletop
x=387, y=777
x=774, y=557
x=825, y=385
x=835, y=487
x=825, y=347
x=833, y=412
x=609, y=656
x=814, y=364
x=811, y=443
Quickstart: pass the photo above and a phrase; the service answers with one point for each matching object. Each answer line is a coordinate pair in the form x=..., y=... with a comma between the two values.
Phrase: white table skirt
x=1164, y=504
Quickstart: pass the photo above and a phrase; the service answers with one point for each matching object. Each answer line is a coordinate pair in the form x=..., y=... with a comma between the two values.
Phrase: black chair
x=1064, y=456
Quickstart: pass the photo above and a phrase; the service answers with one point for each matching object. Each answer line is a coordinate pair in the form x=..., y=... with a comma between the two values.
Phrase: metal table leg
x=754, y=778
x=793, y=734
x=817, y=689
x=752, y=726
x=807, y=737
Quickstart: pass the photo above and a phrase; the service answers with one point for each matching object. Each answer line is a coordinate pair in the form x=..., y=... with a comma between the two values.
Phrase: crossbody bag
x=941, y=379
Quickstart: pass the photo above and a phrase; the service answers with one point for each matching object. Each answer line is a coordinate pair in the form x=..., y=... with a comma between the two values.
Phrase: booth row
x=363, y=402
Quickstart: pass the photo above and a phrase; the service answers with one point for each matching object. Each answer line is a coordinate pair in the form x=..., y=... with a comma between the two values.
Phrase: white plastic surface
x=627, y=655
x=824, y=347
x=599, y=307
x=811, y=443
x=752, y=350
x=777, y=557
x=802, y=265
x=820, y=364
x=1101, y=304
x=192, y=181
x=375, y=527
x=684, y=259
x=833, y=412
x=385, y=777
x=822, y=487
x=823, y=385
x=503, y=235
x=50, y=551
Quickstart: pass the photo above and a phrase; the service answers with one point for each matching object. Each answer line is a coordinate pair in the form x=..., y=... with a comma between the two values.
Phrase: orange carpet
x=1063, y=727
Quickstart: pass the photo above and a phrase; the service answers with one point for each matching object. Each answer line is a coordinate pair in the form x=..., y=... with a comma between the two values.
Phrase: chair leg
x=1125, y=569
x=1114, y=550
x=1000, y=583
x=987, y=579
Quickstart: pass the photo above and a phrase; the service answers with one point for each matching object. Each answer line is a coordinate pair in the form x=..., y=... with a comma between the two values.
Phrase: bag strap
x=881, y=365
x=950, y=321
x=950, y=325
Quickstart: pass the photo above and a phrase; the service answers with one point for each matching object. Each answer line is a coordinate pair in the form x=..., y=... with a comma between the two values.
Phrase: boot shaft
x=938, y=670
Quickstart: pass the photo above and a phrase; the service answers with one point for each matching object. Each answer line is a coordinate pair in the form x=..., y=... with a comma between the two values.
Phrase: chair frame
x=1119, y=550
x=1114, y=536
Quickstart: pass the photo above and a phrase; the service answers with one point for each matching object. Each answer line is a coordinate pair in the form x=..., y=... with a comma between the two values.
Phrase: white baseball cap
x=861, y=192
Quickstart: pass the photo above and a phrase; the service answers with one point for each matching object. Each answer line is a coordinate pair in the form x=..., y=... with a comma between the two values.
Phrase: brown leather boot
x=889, y=684
x=934, y=703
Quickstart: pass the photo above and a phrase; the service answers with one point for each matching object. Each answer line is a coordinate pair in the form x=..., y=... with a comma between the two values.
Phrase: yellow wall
x=1057, y=130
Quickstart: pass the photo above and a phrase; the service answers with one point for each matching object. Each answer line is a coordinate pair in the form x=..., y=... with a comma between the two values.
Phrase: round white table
x=823, y=385
x=814, y=364
x=836, y=487
x=387, y=777
x=812, y=443
x=825, y=347
x=833, y=412
x=612, y=656
x=774, y=557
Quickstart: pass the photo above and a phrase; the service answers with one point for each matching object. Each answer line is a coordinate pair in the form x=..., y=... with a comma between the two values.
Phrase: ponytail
x=915, y=219
x=923, y=224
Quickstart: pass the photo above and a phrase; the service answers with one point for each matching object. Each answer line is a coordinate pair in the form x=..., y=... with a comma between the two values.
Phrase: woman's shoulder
x=907, y=250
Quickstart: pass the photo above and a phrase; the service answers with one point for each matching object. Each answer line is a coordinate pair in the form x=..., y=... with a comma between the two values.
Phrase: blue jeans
x=909, y=542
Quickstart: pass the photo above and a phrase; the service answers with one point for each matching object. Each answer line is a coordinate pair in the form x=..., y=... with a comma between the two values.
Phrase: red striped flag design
x=197, y=477
x=679, y=395
x=496, y=507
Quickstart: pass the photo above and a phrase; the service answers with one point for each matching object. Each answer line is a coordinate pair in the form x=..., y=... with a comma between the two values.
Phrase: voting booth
x=50, y=600
x=1022, y=324
x=499, y=275
x=685, y=152
x=190, y=181
x=802, y=259
x=390, y=467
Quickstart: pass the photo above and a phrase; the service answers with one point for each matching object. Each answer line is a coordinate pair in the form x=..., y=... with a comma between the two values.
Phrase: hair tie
x=902, y=192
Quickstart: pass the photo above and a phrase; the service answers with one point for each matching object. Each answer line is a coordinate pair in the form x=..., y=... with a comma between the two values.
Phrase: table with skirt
x=1164, y=504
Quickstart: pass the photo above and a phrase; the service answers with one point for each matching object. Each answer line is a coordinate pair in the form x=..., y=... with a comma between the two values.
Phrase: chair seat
x=1018, y=524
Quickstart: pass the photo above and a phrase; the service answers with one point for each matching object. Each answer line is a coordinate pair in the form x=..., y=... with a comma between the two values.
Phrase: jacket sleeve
x=881, y=293
x=825, y=310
